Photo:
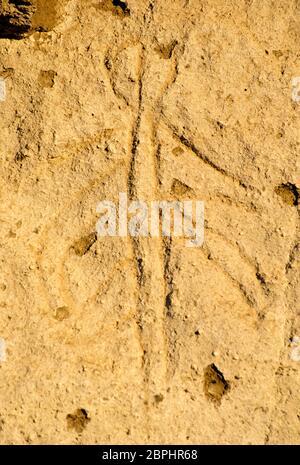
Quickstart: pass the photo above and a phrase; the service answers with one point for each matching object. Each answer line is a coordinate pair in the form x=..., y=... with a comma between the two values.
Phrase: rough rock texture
x=115, y=340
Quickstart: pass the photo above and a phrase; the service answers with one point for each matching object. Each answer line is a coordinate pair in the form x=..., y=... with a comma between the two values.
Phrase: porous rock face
x=146, y=340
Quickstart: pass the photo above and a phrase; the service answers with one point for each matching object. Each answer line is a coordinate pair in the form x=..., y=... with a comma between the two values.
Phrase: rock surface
x=115, y=340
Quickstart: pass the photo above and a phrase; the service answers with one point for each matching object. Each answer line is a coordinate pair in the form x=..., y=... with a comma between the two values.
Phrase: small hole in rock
x=215, y=385
x=158, y=398
x=47, y=78
x=62, y=313
x=289, y=193
x=83, y=245
x=78, y=420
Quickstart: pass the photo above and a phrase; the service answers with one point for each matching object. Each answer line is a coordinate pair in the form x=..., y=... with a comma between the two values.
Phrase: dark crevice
x=15, y=19
x=123, y=5
x=20, y=18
